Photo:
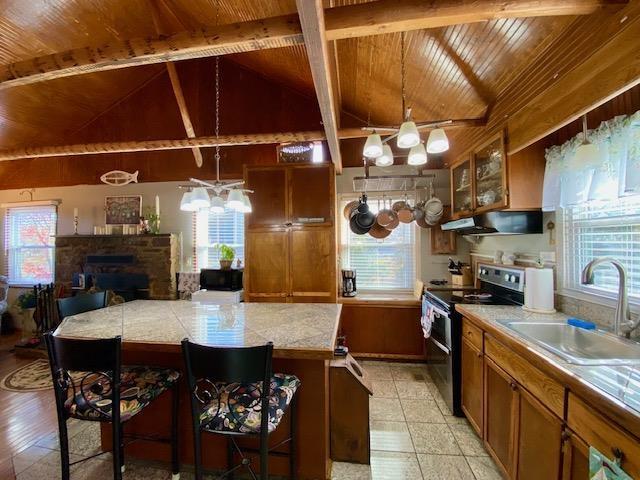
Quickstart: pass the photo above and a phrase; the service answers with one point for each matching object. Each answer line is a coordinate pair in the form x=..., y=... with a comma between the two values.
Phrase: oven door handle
x=440, y=346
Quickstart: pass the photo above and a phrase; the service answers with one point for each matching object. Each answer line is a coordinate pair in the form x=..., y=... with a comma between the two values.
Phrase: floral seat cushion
x=237, y=407
x=139, y=385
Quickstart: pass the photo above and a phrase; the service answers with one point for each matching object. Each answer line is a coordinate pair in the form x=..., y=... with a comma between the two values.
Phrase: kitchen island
x=303, y=335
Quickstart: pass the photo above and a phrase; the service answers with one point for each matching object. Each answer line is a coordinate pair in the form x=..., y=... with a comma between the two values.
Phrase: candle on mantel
x=75, y=221
x=157, y=205
x=75, y=212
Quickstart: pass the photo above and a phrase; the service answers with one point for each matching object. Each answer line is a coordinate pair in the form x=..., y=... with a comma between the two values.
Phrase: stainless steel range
x=499, y=285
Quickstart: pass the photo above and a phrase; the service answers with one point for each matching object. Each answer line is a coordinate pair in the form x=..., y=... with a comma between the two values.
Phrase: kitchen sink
x=578, y=345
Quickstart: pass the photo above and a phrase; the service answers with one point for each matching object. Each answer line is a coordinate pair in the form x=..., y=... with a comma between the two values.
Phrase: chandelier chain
x=402, y=75
x=217, y=154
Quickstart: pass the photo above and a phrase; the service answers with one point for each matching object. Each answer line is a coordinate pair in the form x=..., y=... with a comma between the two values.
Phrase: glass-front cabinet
x=461, y=189
x=478, y=182
x=490, y=175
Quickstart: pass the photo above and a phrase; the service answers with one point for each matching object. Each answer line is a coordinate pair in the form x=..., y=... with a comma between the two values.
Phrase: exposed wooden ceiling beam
x=188, y=143
x=388, y=16
x=177, y=89
x=312, y=20
x=383, y=16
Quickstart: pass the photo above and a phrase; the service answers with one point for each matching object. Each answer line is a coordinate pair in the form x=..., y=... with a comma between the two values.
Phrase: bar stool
x=89, y=379
x=229, y=388
x=85, y=302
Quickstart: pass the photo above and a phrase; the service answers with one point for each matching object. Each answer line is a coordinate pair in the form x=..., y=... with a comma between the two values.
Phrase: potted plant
x=227, y=254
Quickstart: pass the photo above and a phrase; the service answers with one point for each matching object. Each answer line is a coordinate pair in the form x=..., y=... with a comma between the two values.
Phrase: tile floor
x=413, y=436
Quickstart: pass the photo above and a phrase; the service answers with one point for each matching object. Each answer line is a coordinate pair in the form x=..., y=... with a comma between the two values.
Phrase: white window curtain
x=217, y=228
x=616, y=173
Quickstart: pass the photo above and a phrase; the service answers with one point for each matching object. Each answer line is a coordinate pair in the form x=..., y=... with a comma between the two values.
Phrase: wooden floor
x=24, y=417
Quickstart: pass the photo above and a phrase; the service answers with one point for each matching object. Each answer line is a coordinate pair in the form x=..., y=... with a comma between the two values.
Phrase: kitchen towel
x=538, y=290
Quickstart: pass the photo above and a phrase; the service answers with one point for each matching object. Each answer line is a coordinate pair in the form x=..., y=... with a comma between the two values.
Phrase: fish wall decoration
x=118, y=178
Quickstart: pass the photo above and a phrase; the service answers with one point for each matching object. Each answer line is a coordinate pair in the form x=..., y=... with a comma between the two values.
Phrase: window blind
x=216, y=228
x=602, y=229
x=383, y=265
x=29, y=244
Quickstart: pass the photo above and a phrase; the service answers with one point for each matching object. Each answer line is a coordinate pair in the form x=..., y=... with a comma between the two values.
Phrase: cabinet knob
x=566, y=435
x=514, y=386
x=479, y=354
x=618, y=455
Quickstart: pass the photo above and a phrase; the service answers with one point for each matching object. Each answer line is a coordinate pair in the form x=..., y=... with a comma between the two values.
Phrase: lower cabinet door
x=500, y=416
x=575, y=462
x=472, y=385
x=539, y=440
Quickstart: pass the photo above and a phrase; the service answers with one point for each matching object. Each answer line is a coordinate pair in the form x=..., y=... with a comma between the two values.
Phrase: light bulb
x=438, y=141
x=417, y=155
x=200, y=198
x=235, y=200
x=386, y=159
x=408, y=135
x=186, y=204
x=217, y=204
x=373, y=146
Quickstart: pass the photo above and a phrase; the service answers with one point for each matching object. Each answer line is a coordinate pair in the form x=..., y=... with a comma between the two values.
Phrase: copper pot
x=379, y=232
x=386, y=216
x=405, y=214
x=397, y=206
x=349, y=208
x=393, y=224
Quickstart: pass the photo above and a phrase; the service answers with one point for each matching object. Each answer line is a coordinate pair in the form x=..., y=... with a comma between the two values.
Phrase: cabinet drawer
x=599, y=432
x=472, y=333
x=536, y=382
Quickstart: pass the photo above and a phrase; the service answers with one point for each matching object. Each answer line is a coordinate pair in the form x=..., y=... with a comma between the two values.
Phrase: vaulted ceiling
x=485, y=70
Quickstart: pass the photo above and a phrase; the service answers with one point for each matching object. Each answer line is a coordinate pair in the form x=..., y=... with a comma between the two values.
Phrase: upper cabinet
x=286, y=195
x=486, y=179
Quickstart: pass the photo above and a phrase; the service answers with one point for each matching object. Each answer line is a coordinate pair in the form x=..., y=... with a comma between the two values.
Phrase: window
x=383, y=265
x=29, y=244
x=215, y=228
x=602, y=229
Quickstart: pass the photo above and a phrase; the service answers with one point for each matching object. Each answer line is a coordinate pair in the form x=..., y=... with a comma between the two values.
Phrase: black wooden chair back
x=81, y=303
x=100, y=363
x=208, y=365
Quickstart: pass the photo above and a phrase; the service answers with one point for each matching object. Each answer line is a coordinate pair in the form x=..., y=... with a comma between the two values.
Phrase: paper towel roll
x=538, y=290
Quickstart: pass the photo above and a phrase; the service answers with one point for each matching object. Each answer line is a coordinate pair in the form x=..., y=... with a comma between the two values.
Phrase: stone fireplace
x=136, y=256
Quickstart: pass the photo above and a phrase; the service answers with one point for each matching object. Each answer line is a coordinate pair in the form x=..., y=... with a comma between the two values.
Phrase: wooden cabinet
x=312, y=256
x=290, y=235
x=598, y=431
x=267, y=272
x=575, y=457
x=485, y=179
x=539, y=439
x=500, y=416
x=472, y=384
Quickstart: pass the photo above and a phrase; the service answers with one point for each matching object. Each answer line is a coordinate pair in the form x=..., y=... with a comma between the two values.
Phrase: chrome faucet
x=623, y=324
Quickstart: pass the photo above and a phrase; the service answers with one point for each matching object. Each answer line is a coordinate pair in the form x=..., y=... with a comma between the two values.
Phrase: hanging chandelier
x=225, y=195
x=407, y=135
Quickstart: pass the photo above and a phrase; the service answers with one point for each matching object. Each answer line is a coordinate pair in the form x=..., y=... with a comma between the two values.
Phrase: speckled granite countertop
x=304, y=330
x=618, y=384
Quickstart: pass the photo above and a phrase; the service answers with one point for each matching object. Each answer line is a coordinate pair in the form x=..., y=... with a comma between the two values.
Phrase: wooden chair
x=85, y=302
x=229, y=388
x=88, y=380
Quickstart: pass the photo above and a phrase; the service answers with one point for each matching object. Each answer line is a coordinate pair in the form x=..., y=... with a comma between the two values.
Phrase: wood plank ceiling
x=458, y=71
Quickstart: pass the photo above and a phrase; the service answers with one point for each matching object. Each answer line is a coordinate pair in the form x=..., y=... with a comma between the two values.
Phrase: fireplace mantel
x=154, y=255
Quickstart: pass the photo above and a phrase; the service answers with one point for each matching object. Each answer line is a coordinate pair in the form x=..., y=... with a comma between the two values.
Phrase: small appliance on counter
x=349, y=283
x=223, y=280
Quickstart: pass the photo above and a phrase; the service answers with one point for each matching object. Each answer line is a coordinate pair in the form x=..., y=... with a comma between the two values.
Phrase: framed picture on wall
x=123, y=210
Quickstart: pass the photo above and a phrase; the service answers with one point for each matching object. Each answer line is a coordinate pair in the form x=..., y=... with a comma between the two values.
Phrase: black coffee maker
x=349, y=283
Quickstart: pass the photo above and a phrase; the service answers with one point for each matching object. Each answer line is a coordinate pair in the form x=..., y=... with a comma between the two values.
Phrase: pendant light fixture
x=408, y=136
x=197, y=196
x=587, y=153
x=438, y=141
x=373, y=146
x=417, y=155
x=386, y=159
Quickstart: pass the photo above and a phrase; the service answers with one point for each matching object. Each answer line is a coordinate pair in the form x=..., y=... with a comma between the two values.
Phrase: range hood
x=497, y=223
